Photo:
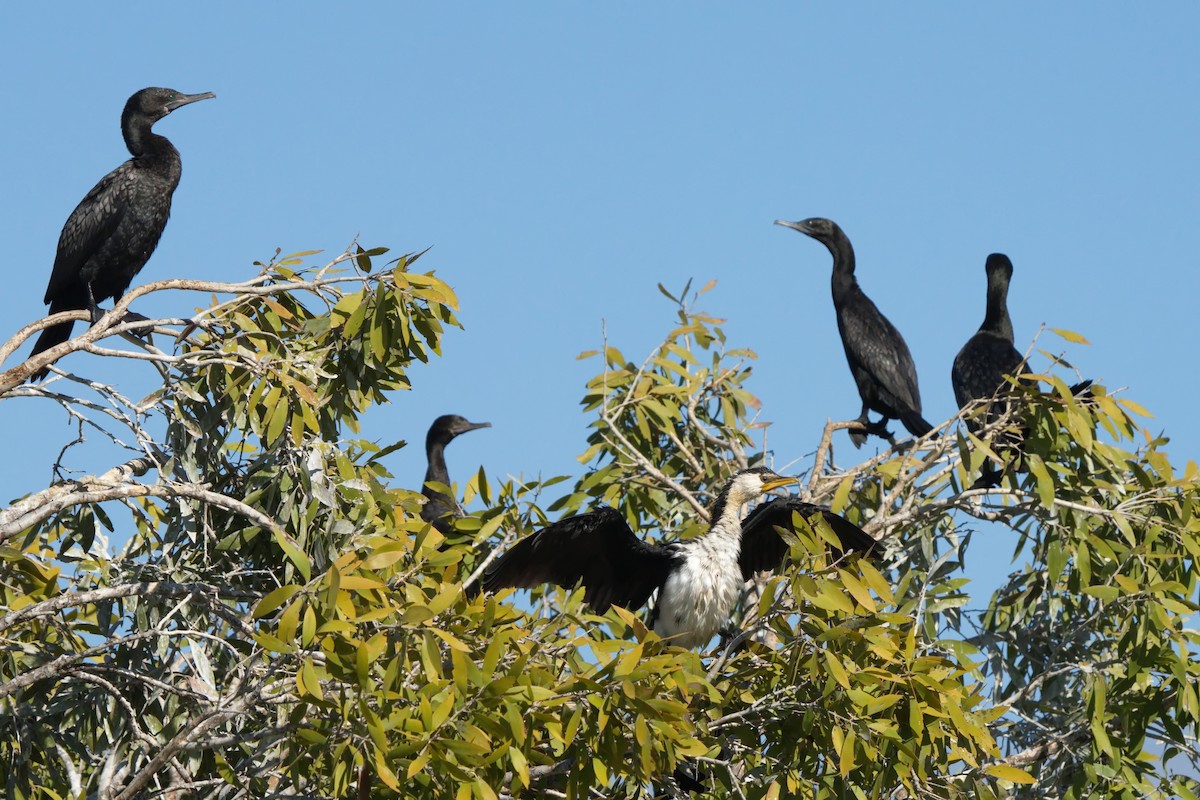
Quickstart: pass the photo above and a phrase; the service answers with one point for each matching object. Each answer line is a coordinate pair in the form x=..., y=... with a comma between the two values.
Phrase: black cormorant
x=989, y=355
x=111, y=233
x=698, y=580
x=440, y=508
x=983, y=362
x=879, y=359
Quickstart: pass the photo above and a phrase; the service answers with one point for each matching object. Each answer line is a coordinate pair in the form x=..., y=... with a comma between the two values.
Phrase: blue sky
x=562, y=159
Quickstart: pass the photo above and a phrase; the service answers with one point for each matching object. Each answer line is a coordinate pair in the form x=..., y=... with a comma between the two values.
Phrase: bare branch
x=29, y=510
x=76, y=599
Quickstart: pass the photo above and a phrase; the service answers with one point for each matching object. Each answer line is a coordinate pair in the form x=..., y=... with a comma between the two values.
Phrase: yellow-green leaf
x=1135, y=407
x=842, y=495
x=1070, y=336
x=274, y=599
x=1005, y=772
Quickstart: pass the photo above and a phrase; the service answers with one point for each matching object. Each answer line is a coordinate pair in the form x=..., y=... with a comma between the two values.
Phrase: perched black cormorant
x=989, y=355
x=879, y=359
x=440, y=507
x=111, y=233
x=698, y=580
x=983, y=362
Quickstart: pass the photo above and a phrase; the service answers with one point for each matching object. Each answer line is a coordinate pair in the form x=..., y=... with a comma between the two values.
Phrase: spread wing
x=764, y=549
x=596, y=549
x=92, y=222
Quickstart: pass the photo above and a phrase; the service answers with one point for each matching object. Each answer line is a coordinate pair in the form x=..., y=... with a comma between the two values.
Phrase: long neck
x=726, y=519
x=843, y=263
x=435, y=452
x=997, y=321
x=143, y=142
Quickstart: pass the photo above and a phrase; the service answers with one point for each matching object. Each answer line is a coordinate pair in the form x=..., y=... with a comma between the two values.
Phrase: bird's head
x=447, y=426
x=750, y=484
x=998, y=265
x=155, y=103
x=825, y=231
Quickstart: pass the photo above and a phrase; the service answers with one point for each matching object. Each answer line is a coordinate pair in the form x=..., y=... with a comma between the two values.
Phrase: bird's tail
x=50, y=337
x=690, y=777
x=1081, y=389
x=915, y=423
x=989, y=477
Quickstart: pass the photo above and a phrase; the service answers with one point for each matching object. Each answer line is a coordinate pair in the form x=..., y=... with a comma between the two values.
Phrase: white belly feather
x=698, y=598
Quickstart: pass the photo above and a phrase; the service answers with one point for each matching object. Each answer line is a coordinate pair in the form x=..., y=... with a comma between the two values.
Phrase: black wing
x=874, y=345
x=91, y=223
x=763, y=548
x=596, y=549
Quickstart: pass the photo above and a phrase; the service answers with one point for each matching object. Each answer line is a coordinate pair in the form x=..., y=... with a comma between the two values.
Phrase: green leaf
x=628, y=661
x=1106, y=593
x=842, y=496
x=293, y=552
x=1070, y=336
x=836, y=669
x=520, y=765
x=1009, y=773
x=857, y=590
x=274, y=599
x=1135, y=407
x=289, y=620
x=1045, y=485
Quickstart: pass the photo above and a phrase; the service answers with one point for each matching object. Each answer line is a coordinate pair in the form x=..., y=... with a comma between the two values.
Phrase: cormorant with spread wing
x=698, y=580
x=113, y=231
x=879, y=359
x=440, y=508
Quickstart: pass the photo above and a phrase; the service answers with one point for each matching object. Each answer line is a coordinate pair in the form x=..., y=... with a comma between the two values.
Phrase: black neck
x=843, y=262
x=435, y=451
x=997, y=321
x=142, y=141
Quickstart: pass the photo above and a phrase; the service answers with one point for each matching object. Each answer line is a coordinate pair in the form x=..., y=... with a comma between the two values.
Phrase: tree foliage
x=276, y=619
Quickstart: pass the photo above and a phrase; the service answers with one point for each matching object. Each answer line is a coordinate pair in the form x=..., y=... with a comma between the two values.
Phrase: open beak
x=183, y=99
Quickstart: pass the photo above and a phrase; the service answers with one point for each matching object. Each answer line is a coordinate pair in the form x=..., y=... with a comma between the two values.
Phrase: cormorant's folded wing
x=90, y=225
x=873, y=344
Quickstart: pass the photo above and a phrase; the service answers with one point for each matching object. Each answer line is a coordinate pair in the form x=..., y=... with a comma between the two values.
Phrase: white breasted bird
x=698, y=580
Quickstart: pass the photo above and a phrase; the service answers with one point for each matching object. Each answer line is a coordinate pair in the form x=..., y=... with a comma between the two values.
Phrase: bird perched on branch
x=989, y=355
x=440, y=508
x=111, y=233
x=698, y=580
x=879, y=359
x=981, y=365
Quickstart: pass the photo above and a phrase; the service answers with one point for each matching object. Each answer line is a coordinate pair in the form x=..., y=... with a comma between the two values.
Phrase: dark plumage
x=879, y=359
x=989, y=355
x=763, y=549
x=698, y=580
x=981, y=365
x=111, y=233
x=441, y=508
x=597, y=549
